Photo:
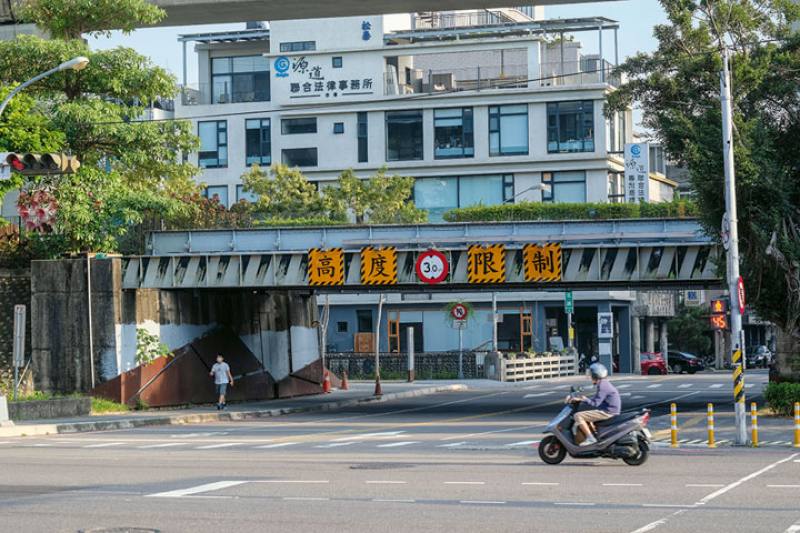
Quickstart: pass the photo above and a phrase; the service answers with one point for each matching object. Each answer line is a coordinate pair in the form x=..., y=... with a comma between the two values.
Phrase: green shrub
x=525, y=211
x=781, y=397
x=103, y=406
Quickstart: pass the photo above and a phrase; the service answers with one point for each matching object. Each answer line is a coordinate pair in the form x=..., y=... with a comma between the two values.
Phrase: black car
x=758, y=356
x=680, y=362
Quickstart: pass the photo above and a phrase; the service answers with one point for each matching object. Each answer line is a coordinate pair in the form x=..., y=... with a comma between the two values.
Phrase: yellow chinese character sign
x=486, y=264
x=325, y=267
x=378, y=266
x=542, y=263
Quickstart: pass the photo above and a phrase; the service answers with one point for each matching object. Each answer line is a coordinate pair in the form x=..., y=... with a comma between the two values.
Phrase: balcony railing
x=483, y=17
x=208, y=93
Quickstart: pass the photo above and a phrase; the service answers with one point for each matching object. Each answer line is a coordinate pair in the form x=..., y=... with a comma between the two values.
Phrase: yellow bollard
x=711, y=443
x=797, y=425
x=673, y=421
x=754, y=423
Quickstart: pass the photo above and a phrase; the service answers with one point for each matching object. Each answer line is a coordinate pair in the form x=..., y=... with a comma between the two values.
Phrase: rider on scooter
x=606, y=403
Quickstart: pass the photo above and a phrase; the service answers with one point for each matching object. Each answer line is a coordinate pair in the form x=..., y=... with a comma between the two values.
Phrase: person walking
x=221, y=373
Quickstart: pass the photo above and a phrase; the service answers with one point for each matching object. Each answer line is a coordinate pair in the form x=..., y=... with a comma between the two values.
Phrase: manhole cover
x=119, y=530
x=380, y=466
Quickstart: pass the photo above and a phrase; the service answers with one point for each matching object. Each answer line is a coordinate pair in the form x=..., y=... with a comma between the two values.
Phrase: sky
x=636, y=18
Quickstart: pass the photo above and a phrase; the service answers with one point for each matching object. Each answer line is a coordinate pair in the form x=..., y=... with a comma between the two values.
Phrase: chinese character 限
x=484, y=263
x=355, y=84
x=315, y=73
x=300, y=65
x=367, y=83
x=319, y=86
x=294, y=87
x=331, y=85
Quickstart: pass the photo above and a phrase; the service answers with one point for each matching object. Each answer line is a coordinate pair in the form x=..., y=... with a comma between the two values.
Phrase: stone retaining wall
x=44, y=409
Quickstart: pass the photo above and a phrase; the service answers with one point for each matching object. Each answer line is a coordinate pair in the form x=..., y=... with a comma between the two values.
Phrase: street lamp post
x=543, y=187
x=733, y=251
x=78, y=63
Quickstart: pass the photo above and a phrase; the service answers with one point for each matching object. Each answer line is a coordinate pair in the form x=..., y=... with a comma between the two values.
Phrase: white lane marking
x=749, y=385
x=793, y=529
x=685, y=385
x=276, y=445
x=495, y=431
x=451, y=445
x=481, y=502
x=381, y=500
x=370, y=436
x=705, y=485
x=626, y=394
x=624, y=386
x=716, y=386
x=398, y=444
x=797, y=461
x=336, y=444
x=208, y=487
x=667, y=505
x=41, y=445
x=622, y=485
x=385, y=482
x=294, y=481
x=540, y=483
x=465, y=483
x=783, y=486
x=193, y=435
x=104, y=445
x=304, y=499
x=5, y=442
x=221, y=445
x=745, y=479
x=575, y=503
x=163, y=445
x=637, y=397
x=523, y=443
x=537, y=395
x=654, y=386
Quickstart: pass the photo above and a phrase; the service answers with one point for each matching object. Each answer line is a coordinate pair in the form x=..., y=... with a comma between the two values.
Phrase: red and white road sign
x=740, y=294
x=432, y=267
x=459, y=312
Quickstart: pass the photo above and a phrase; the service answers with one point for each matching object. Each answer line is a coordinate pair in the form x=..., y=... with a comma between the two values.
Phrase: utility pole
x=737, y=346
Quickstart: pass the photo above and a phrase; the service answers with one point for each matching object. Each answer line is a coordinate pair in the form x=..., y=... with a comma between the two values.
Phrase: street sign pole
x=733, y=252
x=569, y=308
x=461, y=351
x=19, y=343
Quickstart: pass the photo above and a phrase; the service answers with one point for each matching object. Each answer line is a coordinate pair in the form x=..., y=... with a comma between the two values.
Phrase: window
x=338, y=128
x=341, y=327
x=403, y=135
x=570, y=127
x=508, y=130
x=616, y=187
x=363, y=154
x=298, y=46
x=657, y=159
x=239, y=79
x=567, y=186
x=293, y=126
x=218, y=193
x=336, y=61
x=213, y=144
x=616, y=133
x=258, y=145
x=364, y=319
x=453, y=133
x=439, y=195
x=299, y=157
x=247, y=196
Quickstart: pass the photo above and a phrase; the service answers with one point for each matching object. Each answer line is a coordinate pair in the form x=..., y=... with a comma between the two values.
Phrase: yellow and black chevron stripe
x=379, y=266
x=542, y=263
x=325, y=267
x=738, y=377
x=486, y=264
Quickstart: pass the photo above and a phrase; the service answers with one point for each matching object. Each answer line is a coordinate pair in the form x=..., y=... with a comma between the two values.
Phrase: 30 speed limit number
x=432, y=267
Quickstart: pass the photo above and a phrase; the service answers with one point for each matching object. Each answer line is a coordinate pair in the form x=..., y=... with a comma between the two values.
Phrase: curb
x=202, y=418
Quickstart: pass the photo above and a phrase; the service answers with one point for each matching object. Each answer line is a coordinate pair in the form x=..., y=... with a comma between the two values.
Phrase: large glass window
x=363, y=140
x=439, y=195
x=293, y=126
x=247, y=196
x=508, y=130
x=218, y=193
x=298, y=46
x=403, y=135
x=240, y=79
x=213, y=144
x=257, y=142
x=453, y=133
x=299, y=157
x=616, y=188
x=570, y=127
x=565, y=187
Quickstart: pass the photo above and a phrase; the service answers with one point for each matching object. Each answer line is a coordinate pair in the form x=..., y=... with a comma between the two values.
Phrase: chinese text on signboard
x=637, y=172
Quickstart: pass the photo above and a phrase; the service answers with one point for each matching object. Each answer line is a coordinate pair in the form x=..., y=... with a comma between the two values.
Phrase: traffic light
x=719, y=306
x=719, y=314
x=42, y=165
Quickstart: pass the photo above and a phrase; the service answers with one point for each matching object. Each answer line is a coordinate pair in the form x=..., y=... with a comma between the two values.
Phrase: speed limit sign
x=432, y=267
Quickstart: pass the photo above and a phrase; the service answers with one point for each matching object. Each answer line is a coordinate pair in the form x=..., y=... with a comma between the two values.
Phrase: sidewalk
x=359, y=393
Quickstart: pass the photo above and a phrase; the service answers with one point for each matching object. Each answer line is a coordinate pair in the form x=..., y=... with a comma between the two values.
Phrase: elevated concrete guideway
x=186, y=12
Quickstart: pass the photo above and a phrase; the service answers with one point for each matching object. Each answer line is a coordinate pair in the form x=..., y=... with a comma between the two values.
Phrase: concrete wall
x=277, y=327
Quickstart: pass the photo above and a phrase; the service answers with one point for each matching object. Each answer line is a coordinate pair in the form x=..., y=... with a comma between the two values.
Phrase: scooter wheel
x=551, y=451
x=638, y=459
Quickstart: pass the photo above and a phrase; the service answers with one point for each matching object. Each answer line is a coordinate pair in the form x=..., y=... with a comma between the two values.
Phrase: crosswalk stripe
x=524, y=443
x=398, y=444
x=163, y=445
x=104, y=445
x=749, y=385
x=716, y=386
x=276, y=445
x=685, y=385
x=370, y=435
x=335, y=444
x=451, y=445
x=624, y=386
x=654, y=386
x=537, y=395
x=217, y=446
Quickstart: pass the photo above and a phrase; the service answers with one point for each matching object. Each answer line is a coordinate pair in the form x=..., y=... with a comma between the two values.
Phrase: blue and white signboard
x=637, y=172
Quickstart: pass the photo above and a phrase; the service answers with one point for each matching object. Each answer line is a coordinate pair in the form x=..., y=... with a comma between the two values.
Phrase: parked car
x=758, y=356
x=680, y=362
x=653, y=364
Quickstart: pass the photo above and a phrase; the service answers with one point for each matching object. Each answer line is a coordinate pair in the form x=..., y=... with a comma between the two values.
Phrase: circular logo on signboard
x=282, y=65
x=459, y=312
x=432, y=267
x=636, y=150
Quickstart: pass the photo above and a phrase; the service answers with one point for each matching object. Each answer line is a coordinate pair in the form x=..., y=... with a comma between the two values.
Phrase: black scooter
x=624, y=436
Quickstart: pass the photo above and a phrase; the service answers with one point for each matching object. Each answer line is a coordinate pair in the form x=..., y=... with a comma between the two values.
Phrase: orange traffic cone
x=378, y=390
x=345, y=385
x=326, y=382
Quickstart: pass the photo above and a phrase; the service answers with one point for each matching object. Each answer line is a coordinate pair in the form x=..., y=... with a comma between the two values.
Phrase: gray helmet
x=598, y=371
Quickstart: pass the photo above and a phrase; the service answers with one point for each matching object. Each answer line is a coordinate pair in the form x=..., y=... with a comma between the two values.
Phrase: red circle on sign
x=432, y=267
x=740, y=294
x=459, y=312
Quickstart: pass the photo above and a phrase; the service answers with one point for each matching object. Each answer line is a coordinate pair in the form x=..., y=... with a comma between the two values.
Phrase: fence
x=428, y=365
x=542, y=366
x=223, y=93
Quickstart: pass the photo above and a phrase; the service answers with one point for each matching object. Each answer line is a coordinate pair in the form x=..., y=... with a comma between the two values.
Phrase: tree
x=96, y=112
x=283, y=193
x=380, y=199
x=677, y=87
x=688, y=331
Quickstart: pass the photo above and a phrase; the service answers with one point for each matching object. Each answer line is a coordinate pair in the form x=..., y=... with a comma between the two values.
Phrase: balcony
x=466, y=19
x=208, y=94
